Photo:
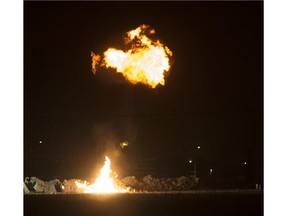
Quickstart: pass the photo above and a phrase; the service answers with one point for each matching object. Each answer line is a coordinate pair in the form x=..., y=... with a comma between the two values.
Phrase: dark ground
x=195, y=203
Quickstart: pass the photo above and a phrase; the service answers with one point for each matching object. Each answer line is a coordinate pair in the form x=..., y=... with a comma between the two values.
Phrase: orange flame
x=104, y=183
x=95, y=60
x=146, y=62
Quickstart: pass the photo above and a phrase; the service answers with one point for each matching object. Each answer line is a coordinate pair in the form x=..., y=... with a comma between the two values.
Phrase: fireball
x=145, y=61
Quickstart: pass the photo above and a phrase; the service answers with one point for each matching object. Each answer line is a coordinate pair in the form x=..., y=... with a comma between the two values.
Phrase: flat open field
x=222, y=203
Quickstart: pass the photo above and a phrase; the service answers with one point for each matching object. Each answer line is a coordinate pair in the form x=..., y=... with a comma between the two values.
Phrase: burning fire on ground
x=145, y=61
x=104, y=182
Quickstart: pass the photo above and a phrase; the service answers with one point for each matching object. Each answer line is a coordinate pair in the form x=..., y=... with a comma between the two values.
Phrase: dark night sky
x=213, y=96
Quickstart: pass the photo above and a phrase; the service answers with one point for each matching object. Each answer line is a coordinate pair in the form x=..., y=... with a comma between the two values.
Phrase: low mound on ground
x=145, y=184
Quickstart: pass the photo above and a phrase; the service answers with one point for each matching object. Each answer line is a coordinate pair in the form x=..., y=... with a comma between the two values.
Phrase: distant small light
x=40, y=141
x=124, y=144
x=198, y=147
x=211, y=171
x=190, y=161
x=245, y=163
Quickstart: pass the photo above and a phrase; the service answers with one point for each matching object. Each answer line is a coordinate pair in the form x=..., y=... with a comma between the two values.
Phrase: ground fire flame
x=104, y=183
x=146, y=61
